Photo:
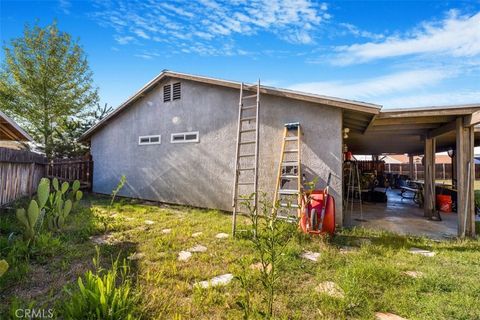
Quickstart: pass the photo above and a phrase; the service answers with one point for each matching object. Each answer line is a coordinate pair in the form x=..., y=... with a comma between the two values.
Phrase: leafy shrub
x=270, y=236
x=102, y=294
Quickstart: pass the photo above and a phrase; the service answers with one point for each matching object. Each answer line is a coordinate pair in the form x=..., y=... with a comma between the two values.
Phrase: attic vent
x=176, y=91
x=167, y=93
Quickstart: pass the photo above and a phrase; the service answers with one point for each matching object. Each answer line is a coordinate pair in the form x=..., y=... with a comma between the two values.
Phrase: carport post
x=410, y=167
x=465, y=171
x=429, y=182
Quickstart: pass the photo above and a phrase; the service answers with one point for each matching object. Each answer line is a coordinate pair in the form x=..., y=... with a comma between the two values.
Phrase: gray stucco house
x=182, y=150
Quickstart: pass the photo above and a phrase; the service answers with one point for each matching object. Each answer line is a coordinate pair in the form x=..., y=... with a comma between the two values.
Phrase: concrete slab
x=222, y=235
x=330, y=288
x=422, y=252
x=402, y=216
x=216, y=281
x=414, y=274
x=387, y=316
x=198, y=248
x=258, y=266
x=310, y=255
x=184, y=255
x=136, y=256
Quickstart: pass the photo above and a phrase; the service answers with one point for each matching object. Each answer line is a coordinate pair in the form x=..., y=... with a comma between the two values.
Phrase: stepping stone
x=136, y=256
x=387, y=316
x=129, y=218
x=103, y=239
x=330, y=288
x=198, y=248
x=347, y=249
x=166, y=231
x=222, y=235
x=414, y=274
x=217, y=281
x=258, y=267
x=362, y=242
x=423, y=252
x=196, y=234
x=309, y=255
x=184, y=255
x=149, y=222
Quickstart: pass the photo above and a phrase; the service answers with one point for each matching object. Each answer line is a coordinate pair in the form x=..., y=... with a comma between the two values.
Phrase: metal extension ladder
x=288, y=190
x=246, y=156
x=353, y=187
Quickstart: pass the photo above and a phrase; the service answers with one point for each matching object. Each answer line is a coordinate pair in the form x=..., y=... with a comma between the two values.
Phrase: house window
x=167, y=93
x=157, y=139
x=177, y=89
x=184, y=137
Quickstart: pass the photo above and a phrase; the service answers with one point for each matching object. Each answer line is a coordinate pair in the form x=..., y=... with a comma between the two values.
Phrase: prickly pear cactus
x=75, y=186
x=3, y=267
x=43, y=191
x=64, y=187
x=29, y=218
x=55, y=184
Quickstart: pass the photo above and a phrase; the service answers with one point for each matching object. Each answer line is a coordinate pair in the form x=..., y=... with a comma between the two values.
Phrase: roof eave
x=336, y=102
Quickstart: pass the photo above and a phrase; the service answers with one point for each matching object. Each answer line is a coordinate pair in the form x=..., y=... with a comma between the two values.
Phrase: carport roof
x=11, y=131
x=404, y=130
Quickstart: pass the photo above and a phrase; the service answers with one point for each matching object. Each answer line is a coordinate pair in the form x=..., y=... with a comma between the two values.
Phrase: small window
x=167, y=93
x=177, y=88
x=149, y=139
x=184, y=137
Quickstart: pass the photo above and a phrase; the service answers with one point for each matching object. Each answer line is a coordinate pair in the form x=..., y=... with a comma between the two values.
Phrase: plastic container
x=444, y=202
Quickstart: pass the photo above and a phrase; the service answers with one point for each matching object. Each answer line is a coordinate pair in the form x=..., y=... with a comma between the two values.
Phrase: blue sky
x=393, y=53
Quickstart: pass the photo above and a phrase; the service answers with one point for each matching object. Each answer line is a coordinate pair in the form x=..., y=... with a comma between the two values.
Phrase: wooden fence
x=443, y=171
x=20, y=172
x=72, y=169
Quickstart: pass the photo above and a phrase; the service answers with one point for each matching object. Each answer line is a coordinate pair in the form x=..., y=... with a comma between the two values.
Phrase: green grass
x=371, y=276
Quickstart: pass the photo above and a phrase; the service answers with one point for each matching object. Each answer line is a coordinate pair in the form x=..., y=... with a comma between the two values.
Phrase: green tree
x=45, y=82
x=66, y=144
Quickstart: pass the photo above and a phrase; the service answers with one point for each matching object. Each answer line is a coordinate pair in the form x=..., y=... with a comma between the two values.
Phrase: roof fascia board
x=16, y=127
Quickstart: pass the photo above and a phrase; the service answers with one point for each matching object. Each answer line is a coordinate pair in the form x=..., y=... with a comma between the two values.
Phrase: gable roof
x=11, y=131
x=366, y=108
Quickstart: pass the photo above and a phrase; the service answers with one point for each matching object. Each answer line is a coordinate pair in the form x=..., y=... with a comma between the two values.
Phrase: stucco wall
x=201, y=174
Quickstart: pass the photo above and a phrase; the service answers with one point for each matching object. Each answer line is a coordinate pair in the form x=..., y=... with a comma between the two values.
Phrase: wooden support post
x=429, y=181
x=465, y=174
x=410, y=167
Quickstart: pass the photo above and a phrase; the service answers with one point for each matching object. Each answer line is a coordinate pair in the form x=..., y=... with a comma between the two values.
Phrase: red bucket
x=444, y=202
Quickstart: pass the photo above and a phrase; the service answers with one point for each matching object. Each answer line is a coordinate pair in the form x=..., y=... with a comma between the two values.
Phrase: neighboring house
x=11, y=135
x=401, y=158
x=140, y=139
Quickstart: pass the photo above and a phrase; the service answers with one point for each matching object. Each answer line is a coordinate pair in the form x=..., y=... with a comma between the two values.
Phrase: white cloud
x=123, y=39
x=454, y=97
x=65, y=6
x=456, y=36
x=378, y=86
x=208, y=22
x=357, y=32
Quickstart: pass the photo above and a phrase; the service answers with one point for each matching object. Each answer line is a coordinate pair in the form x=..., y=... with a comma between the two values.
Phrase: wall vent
x=177, y=91
x=167, y=93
